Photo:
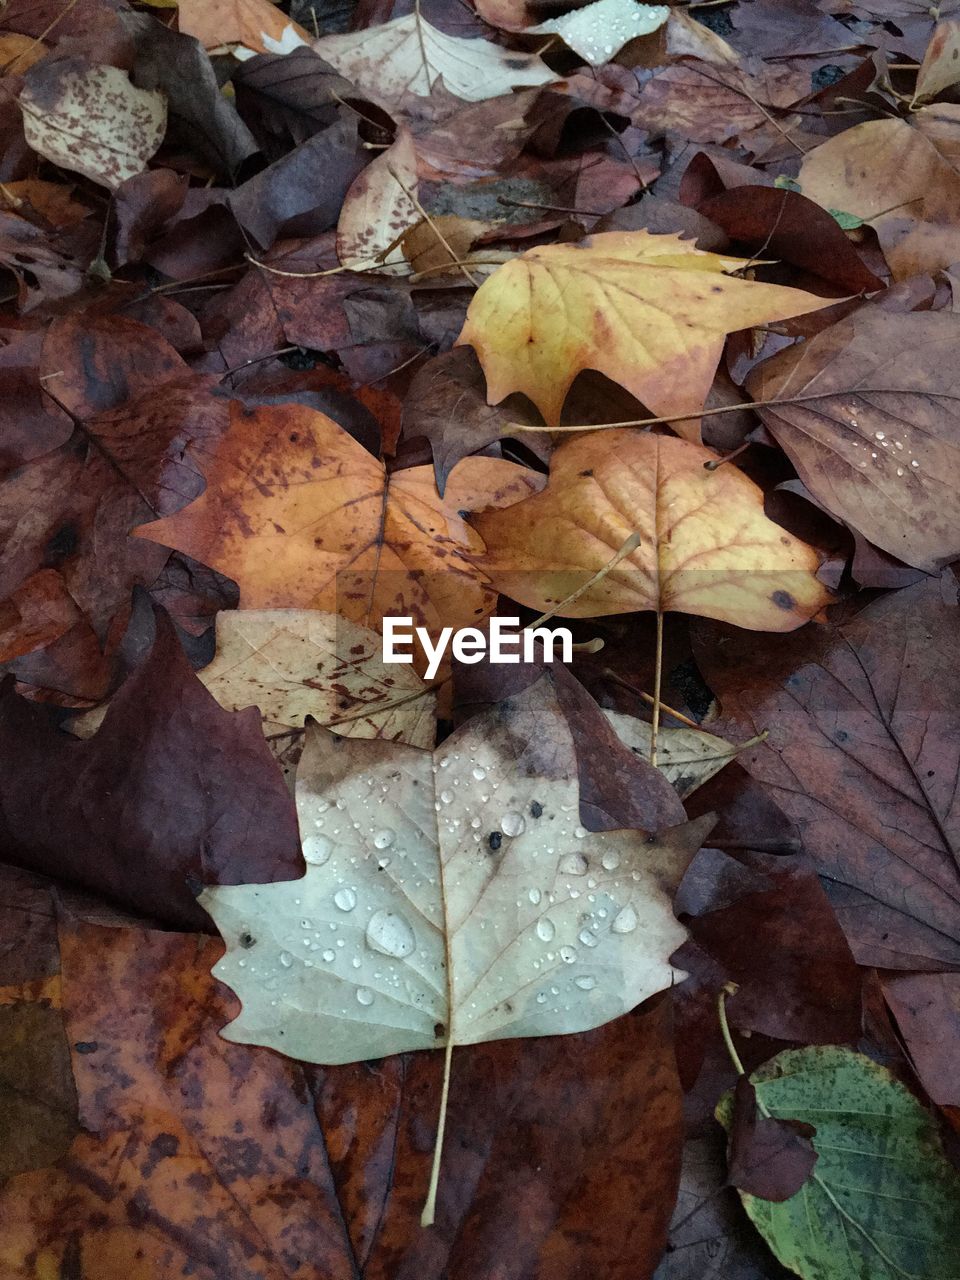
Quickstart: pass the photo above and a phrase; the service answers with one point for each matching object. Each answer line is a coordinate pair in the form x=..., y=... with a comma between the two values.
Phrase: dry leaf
x=600, y=30
x=940, y=68
x=257, y=24
x=706, y=547
x=294, y=663
x=450, y=898
x=409, y=56
x=91, y=120
x=649, y=311
x=301, y=516
x=686, y=757
x=379, y=208
x=19, y=53
x=889, y=174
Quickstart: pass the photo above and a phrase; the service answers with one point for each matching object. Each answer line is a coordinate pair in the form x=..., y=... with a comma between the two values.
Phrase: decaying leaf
x=649, y=311
x=767, y=1157
x=941, y=63
x=882, y=1200
x=889, y=174
x=410, y=56
x=600, y=30
x=296, y=663
x=862, y=754
x=686, y=757
x=301, y=516
x=450, y=898
x=91, y=120
x=379, y=207
x=706, y=547
x=878, y=444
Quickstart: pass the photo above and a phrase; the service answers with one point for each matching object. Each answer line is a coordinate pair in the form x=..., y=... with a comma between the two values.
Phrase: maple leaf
x=706, y=547
x=409, y=56
x=649, y=311
x=301, y=516
x=436, y=912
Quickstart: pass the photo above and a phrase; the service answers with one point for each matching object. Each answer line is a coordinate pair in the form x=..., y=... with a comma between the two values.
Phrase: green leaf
x=883, y=1203
x=848, y=221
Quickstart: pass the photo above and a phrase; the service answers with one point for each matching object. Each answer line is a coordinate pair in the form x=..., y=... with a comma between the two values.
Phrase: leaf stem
x=627, y=549
x=430, y=1206
x=657, y=682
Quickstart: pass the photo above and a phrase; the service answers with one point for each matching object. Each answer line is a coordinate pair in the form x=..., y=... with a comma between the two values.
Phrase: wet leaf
x=878, y=445
x=706, y=547
x=882, y=1198
x=649, y=311
x=259, y=25
x=601, y=29
x=420, y=964
x=91, y=120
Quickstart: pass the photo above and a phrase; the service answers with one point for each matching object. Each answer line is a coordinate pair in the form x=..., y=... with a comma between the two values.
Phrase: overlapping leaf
x=706, y=546
x=301, y=516
x=649, y=311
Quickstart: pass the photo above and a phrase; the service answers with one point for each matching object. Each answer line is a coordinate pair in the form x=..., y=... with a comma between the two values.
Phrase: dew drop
x=610, y=861
x=542, y=998
x=286, y=959
x=545, y=929
x=535, y=895
x=364, y=996
x=579, y=833
x=446, y=797
x=329, y=955
x=568, y=954
x=356, y=962
x=588, y=938
x=479, y=773
x=383, y=839
x=512, y=823
x=573, y=864
x=317, y=850
x=585, y=982
x=390, y=933
x=345, y=899
x=625, y=921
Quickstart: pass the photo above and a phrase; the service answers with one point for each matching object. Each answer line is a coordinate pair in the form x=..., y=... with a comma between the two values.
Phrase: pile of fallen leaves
x=641, y=319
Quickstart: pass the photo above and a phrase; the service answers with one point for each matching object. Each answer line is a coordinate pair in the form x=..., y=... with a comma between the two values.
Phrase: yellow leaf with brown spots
x=302, y=516
x=649, y=311
x=706, y=546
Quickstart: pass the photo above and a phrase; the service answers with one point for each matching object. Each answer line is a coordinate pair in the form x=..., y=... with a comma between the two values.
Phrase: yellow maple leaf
x=649, y=311
x=706, y=546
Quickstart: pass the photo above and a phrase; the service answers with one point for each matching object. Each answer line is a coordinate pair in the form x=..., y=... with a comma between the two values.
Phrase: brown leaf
x=237, y=1159
x=880, y=449
x=862, y=753
x=927, y=1009
x=767, y=1156
x=170, y=794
